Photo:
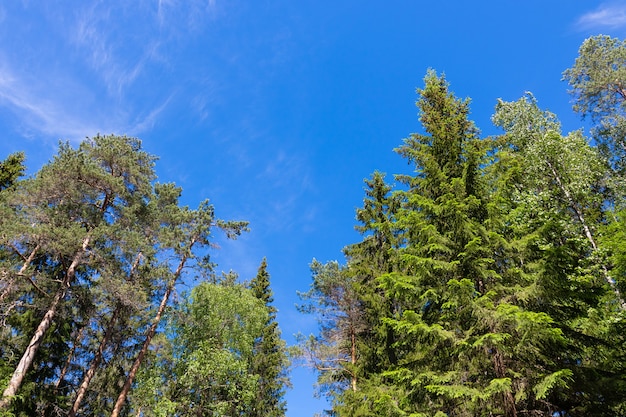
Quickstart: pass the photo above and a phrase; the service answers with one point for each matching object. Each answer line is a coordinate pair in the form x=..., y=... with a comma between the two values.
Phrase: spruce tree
x=446, y=277
x=269, y=357
x=366, y=261
x=462, y=284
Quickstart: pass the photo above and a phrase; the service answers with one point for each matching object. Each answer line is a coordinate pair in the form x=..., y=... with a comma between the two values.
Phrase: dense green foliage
x=269, y=355
x=490, y=280
x=91, y=250
x=204, y=368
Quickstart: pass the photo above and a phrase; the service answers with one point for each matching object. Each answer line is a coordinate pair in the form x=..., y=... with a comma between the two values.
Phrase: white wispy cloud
x=43, y=111
x=100, y=68
x=192, y=13
x=144, y=123
x=606, y=16
x=111, y=49
x=38, y=113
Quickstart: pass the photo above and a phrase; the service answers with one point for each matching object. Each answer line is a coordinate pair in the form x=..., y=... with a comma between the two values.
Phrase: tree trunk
x=95, y=363
x=27, y=359
x=510, y=410
x=588, y=234
x=353, y=356
x=27, y=262
x=68, y=361
x=121, y=399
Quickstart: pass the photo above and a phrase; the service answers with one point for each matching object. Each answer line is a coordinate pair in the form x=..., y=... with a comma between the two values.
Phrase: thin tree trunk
x=510, y=410
x=68, y=362
x=27, y=359
x=95, y=363
x=353, y=379
x=621, y=91
x=27, y=262
x=121, y=399
x=587, y=232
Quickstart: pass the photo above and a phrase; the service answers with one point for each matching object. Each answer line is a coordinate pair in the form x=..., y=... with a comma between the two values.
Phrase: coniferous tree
x=87, y=248
x=333, y=351
x=366, y=261
x=598, y=81
x=491, y=281
x=11, y=169
x=469, y=276
x=448, y=283
x=269, y=358
x=67, y=213
x=187, y=231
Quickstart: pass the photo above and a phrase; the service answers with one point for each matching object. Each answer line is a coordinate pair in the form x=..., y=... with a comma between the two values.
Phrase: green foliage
x=482, y=283
x=269, y=360
x=489, y=282
x=598, y=81
x=11, y=169
x=333, y=351
x=89, y=246
x=77, y=204
x=204, y=368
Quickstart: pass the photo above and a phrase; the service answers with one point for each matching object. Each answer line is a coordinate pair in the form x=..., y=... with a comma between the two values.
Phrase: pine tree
x=88, y=246
x=333, y=351
x=11, y=169
x=68, y=213
x=187, y=231
x=598, y=81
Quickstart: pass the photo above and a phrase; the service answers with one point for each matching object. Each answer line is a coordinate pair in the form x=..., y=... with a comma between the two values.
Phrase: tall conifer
x=466, y=340
x=269, y=359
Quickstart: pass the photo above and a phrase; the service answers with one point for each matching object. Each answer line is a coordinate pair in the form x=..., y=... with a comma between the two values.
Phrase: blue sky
x=276, y=110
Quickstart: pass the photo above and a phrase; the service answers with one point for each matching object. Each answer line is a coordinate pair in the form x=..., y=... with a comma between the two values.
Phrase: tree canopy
x=488, y=279
x=92, y=249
